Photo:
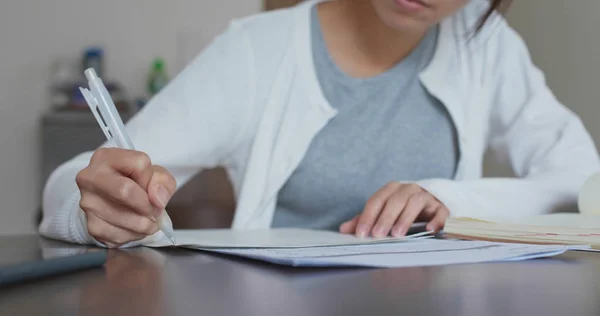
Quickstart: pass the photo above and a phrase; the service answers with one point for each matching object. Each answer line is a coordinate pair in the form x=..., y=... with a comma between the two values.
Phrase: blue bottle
x=93, y=58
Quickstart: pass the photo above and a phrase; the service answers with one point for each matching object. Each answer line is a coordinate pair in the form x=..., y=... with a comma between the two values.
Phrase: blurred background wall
x=564, y=42
x=36, y=33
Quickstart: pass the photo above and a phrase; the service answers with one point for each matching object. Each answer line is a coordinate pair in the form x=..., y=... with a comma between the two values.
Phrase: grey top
x=388, y=128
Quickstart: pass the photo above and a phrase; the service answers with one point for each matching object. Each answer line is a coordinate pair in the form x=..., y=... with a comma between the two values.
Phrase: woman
x=357, y=115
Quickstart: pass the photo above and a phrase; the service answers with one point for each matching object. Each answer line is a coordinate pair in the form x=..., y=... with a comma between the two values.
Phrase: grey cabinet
x=66, y=134
x=206, y=201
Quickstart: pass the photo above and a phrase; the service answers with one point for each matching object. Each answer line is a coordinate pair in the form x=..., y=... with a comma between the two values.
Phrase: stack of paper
x=416, y=253
x=564, y=229
x=302, y=247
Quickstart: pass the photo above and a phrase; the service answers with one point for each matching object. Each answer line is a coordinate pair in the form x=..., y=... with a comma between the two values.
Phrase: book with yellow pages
x=561, y=228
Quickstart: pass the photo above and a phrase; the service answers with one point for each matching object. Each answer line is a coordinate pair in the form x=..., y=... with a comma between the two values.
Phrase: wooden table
x=145, y=281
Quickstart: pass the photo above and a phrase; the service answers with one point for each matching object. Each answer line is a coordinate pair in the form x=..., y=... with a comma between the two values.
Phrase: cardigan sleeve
x=545, y=143
x=197, y=121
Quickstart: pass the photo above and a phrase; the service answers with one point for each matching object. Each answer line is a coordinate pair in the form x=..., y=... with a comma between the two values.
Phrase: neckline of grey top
x=410, y=66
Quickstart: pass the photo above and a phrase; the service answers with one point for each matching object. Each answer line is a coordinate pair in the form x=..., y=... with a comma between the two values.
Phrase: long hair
x=495, y=6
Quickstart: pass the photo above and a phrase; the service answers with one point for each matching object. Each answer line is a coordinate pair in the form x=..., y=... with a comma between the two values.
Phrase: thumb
x=161, y=188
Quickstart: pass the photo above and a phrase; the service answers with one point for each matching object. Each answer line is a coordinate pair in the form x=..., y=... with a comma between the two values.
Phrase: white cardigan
x=251, y=102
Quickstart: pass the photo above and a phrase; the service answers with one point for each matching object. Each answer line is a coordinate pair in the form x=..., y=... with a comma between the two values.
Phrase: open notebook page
x=268, y=238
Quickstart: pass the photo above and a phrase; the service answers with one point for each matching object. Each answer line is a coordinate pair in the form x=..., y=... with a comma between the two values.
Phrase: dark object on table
x=41, y=267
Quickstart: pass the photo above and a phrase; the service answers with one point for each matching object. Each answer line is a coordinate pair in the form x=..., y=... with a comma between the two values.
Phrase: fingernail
x=163, y=196
x=362, y=230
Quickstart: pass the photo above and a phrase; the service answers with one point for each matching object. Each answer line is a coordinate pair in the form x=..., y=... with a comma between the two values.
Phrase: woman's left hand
x=394, y=208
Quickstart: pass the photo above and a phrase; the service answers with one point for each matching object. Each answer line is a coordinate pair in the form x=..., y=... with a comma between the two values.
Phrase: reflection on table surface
x=144, y=281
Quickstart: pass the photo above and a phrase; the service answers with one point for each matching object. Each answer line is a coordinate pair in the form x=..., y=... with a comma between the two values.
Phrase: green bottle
x=157, y=78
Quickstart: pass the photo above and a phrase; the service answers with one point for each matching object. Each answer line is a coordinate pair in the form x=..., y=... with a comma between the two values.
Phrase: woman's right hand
x=122, y=195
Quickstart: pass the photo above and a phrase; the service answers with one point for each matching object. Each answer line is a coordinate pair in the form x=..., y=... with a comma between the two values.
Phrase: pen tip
x=173, y=240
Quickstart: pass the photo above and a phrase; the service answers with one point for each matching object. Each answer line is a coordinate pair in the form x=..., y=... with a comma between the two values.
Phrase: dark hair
x=495, y=6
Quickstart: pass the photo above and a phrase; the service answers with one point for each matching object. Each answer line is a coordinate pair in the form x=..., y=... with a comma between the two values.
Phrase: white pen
x=105, y=112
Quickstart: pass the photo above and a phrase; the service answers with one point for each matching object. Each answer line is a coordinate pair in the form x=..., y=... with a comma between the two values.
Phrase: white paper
x=414, y=246
x=423, y=252
x=268, y=238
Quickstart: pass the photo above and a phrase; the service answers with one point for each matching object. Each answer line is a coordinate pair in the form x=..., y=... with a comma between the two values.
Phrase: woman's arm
x=546, y=144
x=196, y=122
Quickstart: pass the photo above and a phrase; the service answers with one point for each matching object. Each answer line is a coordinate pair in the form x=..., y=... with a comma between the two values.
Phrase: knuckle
x=397, y=198
x=82, y=178
x=101, y=154
x=415, y=199
x=165, y=177
x=125, y=190
x=85, y=178
x=145, y=226
x=142, y=161
x=421, y=196
x=392, y=184
x=387, y=218
x=364, y=220
x=119, y=240
x=369, y=215
x=94, y=228
x=374, y=201
x=445, y=211
x=414, y=187
x=85, y=204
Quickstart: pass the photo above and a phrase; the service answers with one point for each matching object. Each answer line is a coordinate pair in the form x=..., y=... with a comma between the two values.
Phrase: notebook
x=315, y=248
x=270, y=238
x=561, y=228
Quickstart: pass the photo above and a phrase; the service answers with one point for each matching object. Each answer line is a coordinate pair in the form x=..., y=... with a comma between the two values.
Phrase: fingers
x=373, y=208
x=349, y=227
x=161, y=187
x=428, y=213
x=117, y=215
x=416, y=204
x=439, y=220
x=123, y=195
x=394, y=206
x=121, y=190
x=110, y=235
x=129, y=163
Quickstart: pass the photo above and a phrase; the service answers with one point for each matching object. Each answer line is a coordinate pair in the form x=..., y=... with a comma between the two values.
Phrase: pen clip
x=93, y=104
